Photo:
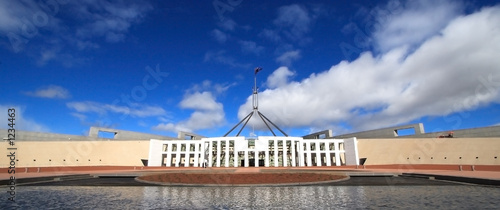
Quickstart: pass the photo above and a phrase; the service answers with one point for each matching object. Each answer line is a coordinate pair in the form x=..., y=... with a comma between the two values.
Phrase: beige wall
x=377, y=152
x=77, y=153
x=430, y=151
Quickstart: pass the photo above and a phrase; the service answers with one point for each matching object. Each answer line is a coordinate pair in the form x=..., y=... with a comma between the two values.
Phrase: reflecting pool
x=338, y=197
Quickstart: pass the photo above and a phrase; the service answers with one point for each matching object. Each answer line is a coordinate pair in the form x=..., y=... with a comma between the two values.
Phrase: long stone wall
x=392, y=132
x=456, y=151
x=453, y=151
x=76, y=153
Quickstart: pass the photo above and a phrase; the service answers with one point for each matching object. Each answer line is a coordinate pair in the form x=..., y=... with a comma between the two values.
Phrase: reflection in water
x=338, y=197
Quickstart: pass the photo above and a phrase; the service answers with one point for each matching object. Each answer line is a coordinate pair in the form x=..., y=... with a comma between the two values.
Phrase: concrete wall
x=491, y=131
x=392, y=132
x=76, y=153
x=471, y=151
x=326, y=134
x=93, y=135
x=124, y=135
x=384, y=132
x=40, y=136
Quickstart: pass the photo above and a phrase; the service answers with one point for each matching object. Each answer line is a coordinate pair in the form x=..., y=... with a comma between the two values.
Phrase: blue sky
x=164, y=66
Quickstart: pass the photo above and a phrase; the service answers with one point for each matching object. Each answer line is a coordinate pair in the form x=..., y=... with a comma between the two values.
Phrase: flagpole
x=255, y=91
x=255, y=95
x=255, y=103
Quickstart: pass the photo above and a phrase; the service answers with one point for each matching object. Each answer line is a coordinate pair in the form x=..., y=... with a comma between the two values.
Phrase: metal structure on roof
x=255, y=111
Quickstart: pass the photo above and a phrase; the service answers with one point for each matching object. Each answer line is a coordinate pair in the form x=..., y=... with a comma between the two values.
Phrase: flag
x=257, y=70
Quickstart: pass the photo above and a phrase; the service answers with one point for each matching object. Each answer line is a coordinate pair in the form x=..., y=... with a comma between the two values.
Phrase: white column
x=246, y=157
x=178, y=155
x=226, y=162
x=292, y=145
x=276, y=159
x=266, y=155
x=318, y=154
x=328, y=158
x=235, y=154
x=256, y=157
x=285, y=155
x=337, y=154
x=301, y=153
x=196, y=154
x=187, y=154
x=218, y=153
x=210, y=153
x=169, y=155
x=308, y=149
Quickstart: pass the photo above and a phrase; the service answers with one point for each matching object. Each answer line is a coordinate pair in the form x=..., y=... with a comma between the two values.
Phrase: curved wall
x=77, y=153
x=454, y=151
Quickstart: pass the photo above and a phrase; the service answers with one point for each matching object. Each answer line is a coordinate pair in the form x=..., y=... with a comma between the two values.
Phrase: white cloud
x=279, y=77
x=208, y=85
x=8, y=21
x=454, y=71
x=219, y=36
x=288, y=57
x=35, y=27
x=295, y=19
x=87, y=106
x=22, y=122
x=18, y=15
x=200, y=101
x=208, y=113
x=270, y=35
x=221, y=57
x=251, y=47
x=51, y=91
x=412, y=24
x=110, y=20
x=227, y=24
x=137, y=110
x=80, y=116
x=292, y=24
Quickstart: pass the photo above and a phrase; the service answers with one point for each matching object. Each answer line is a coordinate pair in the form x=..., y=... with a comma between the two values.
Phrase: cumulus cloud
x=288, y=57
x=110, y=20
x=208, y=113
x=271, y=35
x=279, y=77
x=51, y=91
x=453, y=71
x=219, y=36
x=412, y=23
x=227, y=24
x=200, y=101
x=291, y=27
x=15, y=14
x=251, y=47
x=22, y=122
x=221, y=57
x=215, y=88
x=295, y=19
x=37, y=25
x=136, y=110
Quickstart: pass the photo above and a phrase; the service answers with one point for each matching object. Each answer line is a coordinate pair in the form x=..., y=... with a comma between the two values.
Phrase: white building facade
x=265, y=151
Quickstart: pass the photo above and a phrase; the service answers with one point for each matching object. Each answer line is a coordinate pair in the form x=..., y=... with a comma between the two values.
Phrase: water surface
x=303, y=197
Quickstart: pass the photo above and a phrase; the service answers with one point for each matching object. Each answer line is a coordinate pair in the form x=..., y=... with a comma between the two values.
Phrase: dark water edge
x=299, y=197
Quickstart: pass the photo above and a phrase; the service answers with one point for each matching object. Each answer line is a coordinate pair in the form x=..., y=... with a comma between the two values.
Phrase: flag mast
x=255, y=90
x=255, y=104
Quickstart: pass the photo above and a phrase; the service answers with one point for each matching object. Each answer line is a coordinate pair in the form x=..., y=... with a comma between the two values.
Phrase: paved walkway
x=493, y=175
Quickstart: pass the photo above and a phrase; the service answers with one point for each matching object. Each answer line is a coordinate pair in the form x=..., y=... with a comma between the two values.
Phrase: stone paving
x=491, y=175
